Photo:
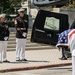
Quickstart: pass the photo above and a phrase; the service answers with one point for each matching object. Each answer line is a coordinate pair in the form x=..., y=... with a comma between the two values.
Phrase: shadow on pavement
x=38, y=61
x=19, y=62
x=68, y=68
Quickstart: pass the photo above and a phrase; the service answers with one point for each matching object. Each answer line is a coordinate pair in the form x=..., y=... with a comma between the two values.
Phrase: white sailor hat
x=21, y=10
x=3, y=15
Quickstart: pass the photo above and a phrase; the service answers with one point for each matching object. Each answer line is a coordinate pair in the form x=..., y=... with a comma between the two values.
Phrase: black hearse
x=47, y=26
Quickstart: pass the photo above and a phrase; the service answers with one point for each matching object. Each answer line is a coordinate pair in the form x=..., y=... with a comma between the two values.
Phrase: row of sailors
x=21, y=25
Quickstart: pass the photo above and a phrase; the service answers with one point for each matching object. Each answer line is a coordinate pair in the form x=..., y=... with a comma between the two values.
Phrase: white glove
x=24, y=34
x=5, y=38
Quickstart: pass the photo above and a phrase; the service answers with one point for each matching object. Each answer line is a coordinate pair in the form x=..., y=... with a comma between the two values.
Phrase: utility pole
x=29, y=13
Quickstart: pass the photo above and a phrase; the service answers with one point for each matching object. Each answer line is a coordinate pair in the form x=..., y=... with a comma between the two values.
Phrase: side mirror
x=43, y=3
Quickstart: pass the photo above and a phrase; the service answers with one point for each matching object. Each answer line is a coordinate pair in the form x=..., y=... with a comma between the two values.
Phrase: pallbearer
x=71, y=38
x=21, y=24
x=4, y=35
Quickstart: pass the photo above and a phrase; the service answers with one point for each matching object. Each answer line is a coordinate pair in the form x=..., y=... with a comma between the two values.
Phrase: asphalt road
x=66, y=70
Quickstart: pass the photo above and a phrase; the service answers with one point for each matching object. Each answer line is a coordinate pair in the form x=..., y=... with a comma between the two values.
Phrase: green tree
x=14, y=4
x=7, y=6
x=72, y=1
x=71, y=4
x=4, y=5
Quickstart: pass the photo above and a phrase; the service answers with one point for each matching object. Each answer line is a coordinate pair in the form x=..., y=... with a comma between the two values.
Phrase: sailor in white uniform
x=21, y=24
x=4, y=35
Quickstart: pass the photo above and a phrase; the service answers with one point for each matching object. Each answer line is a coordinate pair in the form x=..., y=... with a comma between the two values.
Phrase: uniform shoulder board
x=15, y=21
x=17, y=18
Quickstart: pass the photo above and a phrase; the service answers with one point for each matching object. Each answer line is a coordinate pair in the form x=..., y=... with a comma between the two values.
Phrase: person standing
x=4, y=35
x=21, y=24
x=71, y=38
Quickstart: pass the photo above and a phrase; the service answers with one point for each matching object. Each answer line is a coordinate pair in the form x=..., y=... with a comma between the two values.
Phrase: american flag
x=71, y=33
x=63, y=38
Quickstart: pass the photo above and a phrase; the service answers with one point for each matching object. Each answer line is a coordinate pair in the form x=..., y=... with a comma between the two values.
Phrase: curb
x=34, y=67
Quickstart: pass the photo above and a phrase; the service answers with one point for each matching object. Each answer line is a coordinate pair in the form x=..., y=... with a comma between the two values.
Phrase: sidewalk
x=36, y=59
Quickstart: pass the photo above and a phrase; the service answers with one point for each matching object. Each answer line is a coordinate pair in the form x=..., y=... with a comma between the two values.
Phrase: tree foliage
x=7, y=6
x=71, y=4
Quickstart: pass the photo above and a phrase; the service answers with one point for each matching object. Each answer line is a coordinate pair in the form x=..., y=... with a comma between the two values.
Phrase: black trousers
x=63, y=51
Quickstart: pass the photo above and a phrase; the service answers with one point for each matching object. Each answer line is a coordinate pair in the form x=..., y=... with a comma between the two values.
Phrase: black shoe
x=63, y=58
x=6, y=61
x=0, y=61
x=24, y=60
x=18, y=60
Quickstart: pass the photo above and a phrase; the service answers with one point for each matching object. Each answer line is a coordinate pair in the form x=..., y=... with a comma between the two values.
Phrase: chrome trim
x=40, y=30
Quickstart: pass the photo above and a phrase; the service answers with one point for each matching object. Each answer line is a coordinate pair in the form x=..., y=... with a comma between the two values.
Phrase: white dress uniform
x=71, y=38
x=3, y=48
x=4, y=35
x=21, y=34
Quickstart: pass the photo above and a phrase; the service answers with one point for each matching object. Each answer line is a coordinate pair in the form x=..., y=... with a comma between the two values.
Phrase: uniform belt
x=23, y=28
